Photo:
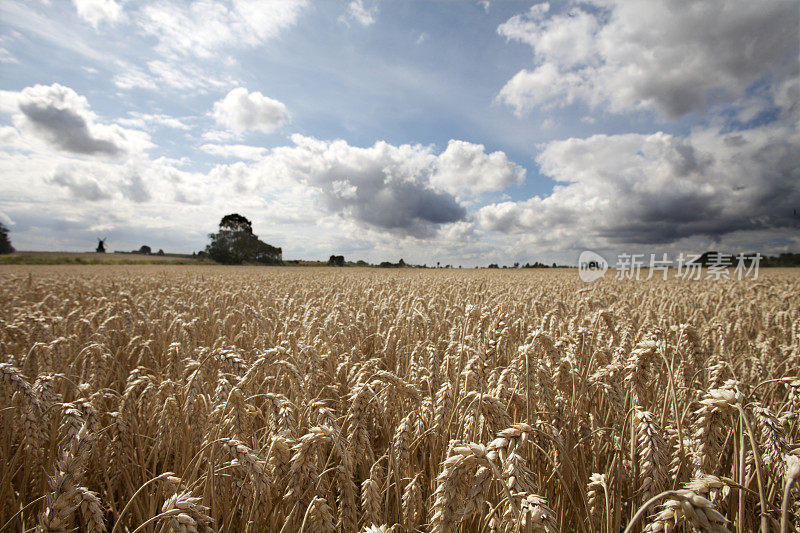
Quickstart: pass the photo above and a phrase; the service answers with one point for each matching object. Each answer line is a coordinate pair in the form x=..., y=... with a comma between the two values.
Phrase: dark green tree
x=235, y=244
x=5, y=243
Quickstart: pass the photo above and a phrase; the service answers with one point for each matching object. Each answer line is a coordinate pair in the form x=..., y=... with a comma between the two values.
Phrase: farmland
x=196, y=398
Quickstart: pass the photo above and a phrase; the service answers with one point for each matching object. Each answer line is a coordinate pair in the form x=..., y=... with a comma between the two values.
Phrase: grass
x=92, y=258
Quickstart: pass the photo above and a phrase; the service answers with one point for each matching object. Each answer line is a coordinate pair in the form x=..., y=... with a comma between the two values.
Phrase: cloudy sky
x=459, y=132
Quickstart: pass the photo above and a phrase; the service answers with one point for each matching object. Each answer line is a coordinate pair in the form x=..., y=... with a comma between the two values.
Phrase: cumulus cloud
x=96, y=12
x=242, y=111
x=62, y=118
x=653, y=55
x=203, y=28
x=466, y=167
x=384, y=186
x=80, y=182
x=97, y=181
x=648, y=189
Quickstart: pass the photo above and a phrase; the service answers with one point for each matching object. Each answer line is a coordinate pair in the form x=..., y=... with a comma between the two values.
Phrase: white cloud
x=660, y=188
x=96, y=12
x=217, y=136
x=133, y=77
x=241, y=111
x=184, y=76
x=651, y=55
x=5, y=219
x=142, y=119
x=178, y=75
x=235, y=151
x=202, y=28
x=358, y=13
x=7, y=57
x=466, y=167
x=384, y=187
x=59, y=116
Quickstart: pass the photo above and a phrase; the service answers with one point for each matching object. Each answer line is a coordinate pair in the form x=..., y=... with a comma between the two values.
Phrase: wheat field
x=171, y=398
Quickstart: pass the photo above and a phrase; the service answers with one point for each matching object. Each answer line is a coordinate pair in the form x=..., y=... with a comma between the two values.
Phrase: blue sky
x=460, y=132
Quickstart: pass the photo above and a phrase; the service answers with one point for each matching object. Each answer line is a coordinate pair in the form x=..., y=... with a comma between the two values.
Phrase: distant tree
x=5, y=242
x=101, y=246
x=145, y=250
x=401, y=263
x=516, y=265
x=493, y=265
x=160, y=252
x=361, y=262
x=235, y=243
x=336, y=260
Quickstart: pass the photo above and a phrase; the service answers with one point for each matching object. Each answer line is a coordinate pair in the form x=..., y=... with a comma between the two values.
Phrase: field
x=191, y=398
x=92, y=258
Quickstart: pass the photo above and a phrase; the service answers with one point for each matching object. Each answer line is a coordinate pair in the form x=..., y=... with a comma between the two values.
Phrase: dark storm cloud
x=658, y=189
x=65, y=129
x=62, y=118
x=384, y=187
x=398, y=206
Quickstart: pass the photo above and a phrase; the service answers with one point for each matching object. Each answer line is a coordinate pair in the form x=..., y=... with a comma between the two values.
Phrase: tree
x=5, y=243
x=101, y=246
x=336, y=260
x=145, y=250
x=235, y=243
x=236, y=222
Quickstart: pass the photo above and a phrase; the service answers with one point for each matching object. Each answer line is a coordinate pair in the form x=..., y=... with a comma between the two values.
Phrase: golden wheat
x=169, y=398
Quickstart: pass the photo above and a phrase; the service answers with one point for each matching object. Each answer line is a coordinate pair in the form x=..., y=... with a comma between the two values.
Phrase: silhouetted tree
x=336, y=260
x=236, y=222
x=5, y=243
x=161, y=252
x=101, y=246
x=146, y=250
x=235, y=243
